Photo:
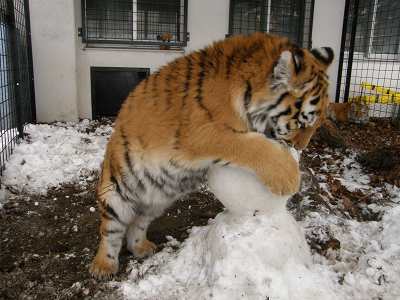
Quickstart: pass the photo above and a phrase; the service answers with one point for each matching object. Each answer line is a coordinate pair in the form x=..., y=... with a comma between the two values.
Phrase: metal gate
x=369, y=69
x=16, y=80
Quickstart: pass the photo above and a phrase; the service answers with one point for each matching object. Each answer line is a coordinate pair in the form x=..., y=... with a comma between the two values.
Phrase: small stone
x=92, y=209
x=36, y=203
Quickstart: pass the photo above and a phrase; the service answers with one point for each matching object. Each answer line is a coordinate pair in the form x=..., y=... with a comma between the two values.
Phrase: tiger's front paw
x=103, y=267
x=284, y=176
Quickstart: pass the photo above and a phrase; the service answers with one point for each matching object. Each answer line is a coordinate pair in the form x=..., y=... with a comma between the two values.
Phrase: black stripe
x=286, y=112
x=297, y=58
x=280, y=99
x=298, y=103
x=315, y=101
x=167, y=174
x=247, y=95
x=129, y=163
x=150, y=178
x=200, y=82
x=109, y=231
x=186, y=87
x=154, y=87
x=215, y=161
x=318, y=55
x=168, y=90
x=111, y=213
x=116, y=183
x=234, y=129
x=229, y=64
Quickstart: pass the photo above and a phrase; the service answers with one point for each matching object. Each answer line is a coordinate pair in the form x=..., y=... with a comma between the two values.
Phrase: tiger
x=354, y=111
x=239, y=101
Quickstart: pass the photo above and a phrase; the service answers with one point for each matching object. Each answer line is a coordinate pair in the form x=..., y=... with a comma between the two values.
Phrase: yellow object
x=383, y=95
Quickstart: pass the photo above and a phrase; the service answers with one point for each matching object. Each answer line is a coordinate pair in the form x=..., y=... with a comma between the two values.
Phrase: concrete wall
x=327, y=31
x=62, y=63
x=54, y=59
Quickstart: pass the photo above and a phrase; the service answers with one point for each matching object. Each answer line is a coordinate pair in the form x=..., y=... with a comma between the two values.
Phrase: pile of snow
x=248, y=257
x=55, y=154
x=253, y=250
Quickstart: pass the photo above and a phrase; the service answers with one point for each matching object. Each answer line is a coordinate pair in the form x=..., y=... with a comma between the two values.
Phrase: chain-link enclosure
x=291, y=18
x=369, y=71
x=16, y=81
x=142, y=23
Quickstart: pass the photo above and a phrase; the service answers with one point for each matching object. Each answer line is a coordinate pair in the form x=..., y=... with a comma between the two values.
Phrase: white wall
x=54, y=59
x=327, y=31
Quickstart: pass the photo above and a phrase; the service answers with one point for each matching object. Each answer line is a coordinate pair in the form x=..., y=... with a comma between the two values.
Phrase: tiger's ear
x=288, y=62
x=324, y=55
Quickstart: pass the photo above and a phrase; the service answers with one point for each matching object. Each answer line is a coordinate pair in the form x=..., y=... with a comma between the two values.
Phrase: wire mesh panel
x=291, y=18
x=135, y=22
x=369, y=71
x=16, y=86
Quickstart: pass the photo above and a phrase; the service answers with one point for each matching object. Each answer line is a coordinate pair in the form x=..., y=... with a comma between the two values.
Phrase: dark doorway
x=111, y=86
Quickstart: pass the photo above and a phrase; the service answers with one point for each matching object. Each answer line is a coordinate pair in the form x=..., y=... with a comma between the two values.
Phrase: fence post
x=30, y=62
x=351, y=51
x=15, y=69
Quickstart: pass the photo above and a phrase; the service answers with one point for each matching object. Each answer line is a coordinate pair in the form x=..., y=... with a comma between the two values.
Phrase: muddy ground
x=47, y=242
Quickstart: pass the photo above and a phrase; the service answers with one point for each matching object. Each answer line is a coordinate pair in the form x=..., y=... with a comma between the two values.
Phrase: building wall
x=62, y=63
x=54, y=59
x=327, y=31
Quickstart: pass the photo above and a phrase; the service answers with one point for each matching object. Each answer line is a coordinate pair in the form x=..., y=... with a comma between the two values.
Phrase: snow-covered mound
x=234, y=257
x=55, y=154
x=239, y=255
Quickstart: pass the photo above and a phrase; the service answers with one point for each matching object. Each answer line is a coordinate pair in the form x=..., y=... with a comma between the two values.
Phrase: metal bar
x=300, y=31
x=185, y=24
x=311, y=24
x=15, y=63
x=342, y=49
x=129, y=42
x=84, y=29
x=351, y=51
x=230, y=29
x=30, y=61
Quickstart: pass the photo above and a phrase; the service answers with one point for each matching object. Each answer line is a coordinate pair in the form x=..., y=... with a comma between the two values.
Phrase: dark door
x=111, y=86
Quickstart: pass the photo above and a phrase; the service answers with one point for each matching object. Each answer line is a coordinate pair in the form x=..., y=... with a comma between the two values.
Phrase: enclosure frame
x=304, y=35
x=135, y=43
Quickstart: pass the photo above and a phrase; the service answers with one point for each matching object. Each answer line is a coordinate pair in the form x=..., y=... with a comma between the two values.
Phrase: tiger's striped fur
x=213, y=106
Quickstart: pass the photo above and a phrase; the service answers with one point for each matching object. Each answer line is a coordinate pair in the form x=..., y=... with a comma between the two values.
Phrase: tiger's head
x=291, y=106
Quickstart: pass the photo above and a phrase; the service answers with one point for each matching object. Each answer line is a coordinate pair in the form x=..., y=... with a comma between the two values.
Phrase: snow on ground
x=249, y=257
x=55, y=154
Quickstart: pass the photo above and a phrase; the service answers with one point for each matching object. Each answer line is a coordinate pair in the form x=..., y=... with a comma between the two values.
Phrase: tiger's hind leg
x=137, y=242
x=115, y=217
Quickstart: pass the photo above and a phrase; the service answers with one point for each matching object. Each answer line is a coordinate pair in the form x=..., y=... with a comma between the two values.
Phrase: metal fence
x=291, y=18
x=16, y=80
x=369, y=70
x=140, y=23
